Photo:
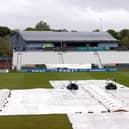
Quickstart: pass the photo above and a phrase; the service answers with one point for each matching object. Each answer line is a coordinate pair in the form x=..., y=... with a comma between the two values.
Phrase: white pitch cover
x=90, y=107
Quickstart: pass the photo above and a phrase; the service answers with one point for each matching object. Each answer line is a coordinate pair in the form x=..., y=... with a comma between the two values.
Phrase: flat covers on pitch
x=87, y=108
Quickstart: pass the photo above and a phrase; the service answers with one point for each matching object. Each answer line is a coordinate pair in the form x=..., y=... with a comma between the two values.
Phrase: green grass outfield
x=40, y=80
x=35, y=122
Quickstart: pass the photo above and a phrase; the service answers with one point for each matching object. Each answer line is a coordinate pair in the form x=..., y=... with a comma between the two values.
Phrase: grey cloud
x=82, y=15
x=98, y=4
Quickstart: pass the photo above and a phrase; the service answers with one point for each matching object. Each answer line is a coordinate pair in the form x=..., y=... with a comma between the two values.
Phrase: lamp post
x=101, y=25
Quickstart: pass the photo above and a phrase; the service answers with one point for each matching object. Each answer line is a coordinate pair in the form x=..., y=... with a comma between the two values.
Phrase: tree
x=4, y=31
x=124, y=37
x=60, y=30
x=113, y=33
x=124, y=32
x=30, y=29
x=42, y=26
x=73, y=30
x=5, y=47
x=97, y=30
x=116, y=35
x=125, y=41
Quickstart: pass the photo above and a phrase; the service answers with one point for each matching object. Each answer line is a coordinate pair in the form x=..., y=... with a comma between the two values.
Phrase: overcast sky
x=81, y=15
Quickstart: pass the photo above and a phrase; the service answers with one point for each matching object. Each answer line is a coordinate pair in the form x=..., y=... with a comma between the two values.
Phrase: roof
x=66, y=36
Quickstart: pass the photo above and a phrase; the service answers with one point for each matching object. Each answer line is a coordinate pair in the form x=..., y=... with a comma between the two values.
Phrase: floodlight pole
x=101, y=26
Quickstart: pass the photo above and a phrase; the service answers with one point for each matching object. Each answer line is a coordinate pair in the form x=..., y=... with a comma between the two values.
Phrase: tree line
x=6, y=46
x=122, y=36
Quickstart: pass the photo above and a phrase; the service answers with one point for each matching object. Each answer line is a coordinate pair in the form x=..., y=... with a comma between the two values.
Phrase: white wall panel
x=106, y=57
x=114, y=57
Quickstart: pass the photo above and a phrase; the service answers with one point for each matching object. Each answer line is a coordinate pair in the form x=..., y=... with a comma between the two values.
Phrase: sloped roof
x=66, y=36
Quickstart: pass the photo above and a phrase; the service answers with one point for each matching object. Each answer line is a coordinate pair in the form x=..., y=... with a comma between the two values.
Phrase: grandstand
x=99, y=59
x=64, y=49
x=47, y=40
x=114, y=57
x=43, y=48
